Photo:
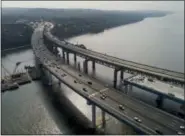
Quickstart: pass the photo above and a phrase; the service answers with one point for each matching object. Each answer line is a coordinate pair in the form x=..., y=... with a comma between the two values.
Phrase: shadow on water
x=65, y=110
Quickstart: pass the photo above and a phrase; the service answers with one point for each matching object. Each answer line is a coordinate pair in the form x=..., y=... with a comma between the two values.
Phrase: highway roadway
x=116, y=62
x=145, y=118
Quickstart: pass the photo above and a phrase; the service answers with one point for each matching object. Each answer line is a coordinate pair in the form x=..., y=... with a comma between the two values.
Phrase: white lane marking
x=103, y=90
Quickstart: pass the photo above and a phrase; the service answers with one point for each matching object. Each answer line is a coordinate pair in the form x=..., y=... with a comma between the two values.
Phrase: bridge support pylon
x=79, y=66
x=115, y=77
x=159, y=101
x=75, y=58
x=85, y=66
x=49, y=79
x=63, y=54
x=103, y=119
x=93, y=66
x=122, y=75
x=93, y=116
x=67, y=57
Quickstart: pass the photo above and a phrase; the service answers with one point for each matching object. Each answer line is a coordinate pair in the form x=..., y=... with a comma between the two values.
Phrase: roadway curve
x=111, y=61
x=154, y=121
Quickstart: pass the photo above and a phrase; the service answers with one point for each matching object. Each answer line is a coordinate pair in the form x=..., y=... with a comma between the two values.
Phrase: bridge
x=113, y=62
x=142, y=117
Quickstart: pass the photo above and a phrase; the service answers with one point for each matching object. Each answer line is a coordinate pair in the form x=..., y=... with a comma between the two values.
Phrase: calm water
x=154, y=41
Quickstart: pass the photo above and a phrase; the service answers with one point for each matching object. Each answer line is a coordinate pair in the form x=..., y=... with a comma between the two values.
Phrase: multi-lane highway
x=111, y=61
x=137, y=114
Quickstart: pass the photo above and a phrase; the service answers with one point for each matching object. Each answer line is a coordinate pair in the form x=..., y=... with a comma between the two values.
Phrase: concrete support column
x=115, y=77
x=159, y=101
x=49, y=78
x=121, y=74
x=67, y=57
x=93, y=116
x=79, y=66
x=75, y=58
x=86, y=66
x=63, y=54
x=103, y=119
x=93, y=65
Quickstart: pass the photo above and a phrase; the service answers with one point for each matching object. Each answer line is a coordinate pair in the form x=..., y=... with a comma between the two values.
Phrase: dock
x=14, y=81
x=8, y=85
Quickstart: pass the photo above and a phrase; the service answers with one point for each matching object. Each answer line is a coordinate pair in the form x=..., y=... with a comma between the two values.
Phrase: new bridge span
x=113, y=62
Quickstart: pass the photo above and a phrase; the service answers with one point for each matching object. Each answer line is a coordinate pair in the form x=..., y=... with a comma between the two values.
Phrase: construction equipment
x=17, y=64
x=6, y=71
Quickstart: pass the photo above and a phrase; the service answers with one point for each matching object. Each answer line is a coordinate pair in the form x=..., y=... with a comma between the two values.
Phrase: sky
x=104, y=5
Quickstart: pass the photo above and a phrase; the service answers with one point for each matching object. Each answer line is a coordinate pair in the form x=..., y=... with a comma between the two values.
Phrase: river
x=154, y=41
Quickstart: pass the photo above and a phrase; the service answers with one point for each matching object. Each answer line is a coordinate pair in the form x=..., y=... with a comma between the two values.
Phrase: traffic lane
x=56, y=73
x=128, y=114
x=80, y=79
x=118, y=61
x=68, y=80
x=122, y=61
x=53, y=68
x=147, y=110
x=137, y=115
x=83, y=78
x=112, y=108
x=133, y=67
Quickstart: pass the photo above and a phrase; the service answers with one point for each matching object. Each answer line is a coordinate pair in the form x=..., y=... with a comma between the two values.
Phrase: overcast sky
x=107, y=5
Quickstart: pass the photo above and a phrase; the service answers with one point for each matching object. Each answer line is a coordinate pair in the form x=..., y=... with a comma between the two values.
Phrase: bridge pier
x=122, y=75
x=79, y=66
x=103, y=119
x=93, y=116
x=67, y=57
x=75, y=58
x=86, y=66
x=49, y=78
x=115, y=77
x=63, y=54
x=93, y=65
x=159, y=101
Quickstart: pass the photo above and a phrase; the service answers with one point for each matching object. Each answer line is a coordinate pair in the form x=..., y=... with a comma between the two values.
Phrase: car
x=89, y=82
x=182, y=127
x=121, y=107
x=102, y=97
x=137, y=119
x=63, y=75
x=84, y=89
x=158, y=131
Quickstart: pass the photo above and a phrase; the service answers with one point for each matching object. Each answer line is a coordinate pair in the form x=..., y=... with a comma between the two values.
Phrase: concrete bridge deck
x=157, y=87
x=111, y=61
x=137, y=114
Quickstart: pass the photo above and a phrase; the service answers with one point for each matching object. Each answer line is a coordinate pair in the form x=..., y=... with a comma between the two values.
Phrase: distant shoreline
x=68, y=23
